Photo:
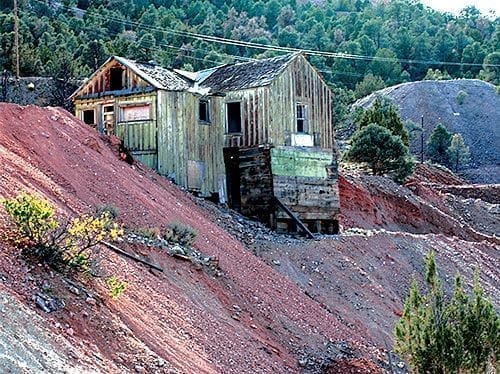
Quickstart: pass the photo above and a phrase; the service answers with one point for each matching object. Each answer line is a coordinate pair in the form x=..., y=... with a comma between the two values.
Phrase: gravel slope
x=477, y=118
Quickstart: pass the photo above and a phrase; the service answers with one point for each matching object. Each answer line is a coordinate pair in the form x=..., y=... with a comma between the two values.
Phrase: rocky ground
x=243, y=299
x=476, y=118
x=250, y=318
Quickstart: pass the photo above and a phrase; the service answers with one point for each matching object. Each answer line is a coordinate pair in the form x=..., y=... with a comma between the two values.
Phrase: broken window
x=116, y=79
x=204, y=111
x=108, y=119
x=136, y=113
x=233, y=111
x=88, y=116
x=302, y=120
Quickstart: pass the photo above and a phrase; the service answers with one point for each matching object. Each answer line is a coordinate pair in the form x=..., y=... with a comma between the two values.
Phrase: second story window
x=302, y=120
x=116, y=79
x=204, y=111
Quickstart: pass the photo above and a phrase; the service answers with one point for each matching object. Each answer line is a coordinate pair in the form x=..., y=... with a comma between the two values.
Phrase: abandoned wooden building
x=257, y=135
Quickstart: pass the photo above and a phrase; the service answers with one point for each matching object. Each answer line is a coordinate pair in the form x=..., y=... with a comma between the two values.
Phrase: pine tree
x=384, y=113
x=438, y=144
x=439, y=337
x=382, y=151
x=458, y=153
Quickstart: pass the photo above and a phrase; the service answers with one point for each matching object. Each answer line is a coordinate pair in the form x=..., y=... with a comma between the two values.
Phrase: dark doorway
x=233, y=182
x=115, y=79
x=233, y=117
x=89, y=117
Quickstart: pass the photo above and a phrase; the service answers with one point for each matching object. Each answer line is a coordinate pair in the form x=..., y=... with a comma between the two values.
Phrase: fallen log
x=121, y=252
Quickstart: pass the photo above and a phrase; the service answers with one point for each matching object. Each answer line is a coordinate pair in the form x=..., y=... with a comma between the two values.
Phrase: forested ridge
x=383, y=43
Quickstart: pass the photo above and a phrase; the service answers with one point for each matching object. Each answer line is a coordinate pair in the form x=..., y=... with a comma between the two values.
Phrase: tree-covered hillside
x=369, y=44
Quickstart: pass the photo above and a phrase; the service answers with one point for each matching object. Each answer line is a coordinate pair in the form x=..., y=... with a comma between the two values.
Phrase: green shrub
x=33, y=218
x=110, y=208
x=458, y=336
x=438, y=144
x=116, y=287
x=179, y=233
x=461, y=96
x=148, y=232
x=61, y=244
x=381, y=151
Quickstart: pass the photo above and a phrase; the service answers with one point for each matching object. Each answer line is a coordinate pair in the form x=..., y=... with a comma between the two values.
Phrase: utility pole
x=422, y=141
x=16, y=37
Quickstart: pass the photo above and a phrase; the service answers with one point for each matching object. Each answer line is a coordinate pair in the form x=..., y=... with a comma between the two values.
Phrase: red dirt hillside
x=250, y=319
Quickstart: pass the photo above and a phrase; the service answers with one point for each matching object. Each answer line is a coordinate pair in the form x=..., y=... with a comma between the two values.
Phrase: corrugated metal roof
x=246, y=75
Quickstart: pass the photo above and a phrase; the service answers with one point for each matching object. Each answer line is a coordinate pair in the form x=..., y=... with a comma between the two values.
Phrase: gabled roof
x=244, y=75
x=155, y=75
x=159, y=77
x=217, y=79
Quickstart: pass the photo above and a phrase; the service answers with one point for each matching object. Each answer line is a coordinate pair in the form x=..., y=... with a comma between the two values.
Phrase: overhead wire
x=310, y=52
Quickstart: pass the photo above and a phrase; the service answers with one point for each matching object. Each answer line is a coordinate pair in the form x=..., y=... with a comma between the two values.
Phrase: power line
x=310, y=52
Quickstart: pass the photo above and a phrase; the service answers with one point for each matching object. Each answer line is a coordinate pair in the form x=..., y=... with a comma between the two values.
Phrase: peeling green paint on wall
x=300, y=162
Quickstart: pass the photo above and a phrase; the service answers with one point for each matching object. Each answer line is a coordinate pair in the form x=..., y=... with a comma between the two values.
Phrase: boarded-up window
x=302, y=123
x=196, y=174
x=136, y=113
x=89, y=116
x=233, y=117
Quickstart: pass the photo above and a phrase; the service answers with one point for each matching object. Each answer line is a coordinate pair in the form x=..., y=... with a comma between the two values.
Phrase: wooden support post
x=128, y=255
x=295, y=219
x=16, y=37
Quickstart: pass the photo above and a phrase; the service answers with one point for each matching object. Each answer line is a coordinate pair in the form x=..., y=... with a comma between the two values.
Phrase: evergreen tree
x=381, y=151
x=458, y=152
x=384, y=113
x=438, y=144
x=436, y=336
x=369, y=84
x=491, y=66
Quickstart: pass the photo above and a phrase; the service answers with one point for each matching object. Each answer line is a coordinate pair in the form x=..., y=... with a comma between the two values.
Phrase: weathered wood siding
x=300, y=83
x=268, y=114
x=303, y=180
x=190, y=152
x=256, y=182
x=101, y=82
x=139, y=136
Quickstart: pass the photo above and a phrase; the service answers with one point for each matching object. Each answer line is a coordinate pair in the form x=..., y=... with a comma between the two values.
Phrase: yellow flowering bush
x=116, y=287
x=67, y=243
x=32, y=216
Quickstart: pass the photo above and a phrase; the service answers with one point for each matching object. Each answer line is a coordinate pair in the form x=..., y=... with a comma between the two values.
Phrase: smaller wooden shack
x=257, y=135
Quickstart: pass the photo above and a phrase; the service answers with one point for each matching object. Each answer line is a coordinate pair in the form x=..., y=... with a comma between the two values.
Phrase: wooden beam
x=299, y=223
x=128, y=255
x=16, y=37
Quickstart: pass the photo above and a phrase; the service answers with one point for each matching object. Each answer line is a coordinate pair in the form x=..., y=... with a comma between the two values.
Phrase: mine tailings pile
x=246, y=316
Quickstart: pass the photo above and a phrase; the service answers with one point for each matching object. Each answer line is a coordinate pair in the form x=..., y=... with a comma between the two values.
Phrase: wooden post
x=294, y=218
x=422, y=141
x=16, y=37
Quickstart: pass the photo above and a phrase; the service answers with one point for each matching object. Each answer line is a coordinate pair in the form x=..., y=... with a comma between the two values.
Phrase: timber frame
x=247, y=133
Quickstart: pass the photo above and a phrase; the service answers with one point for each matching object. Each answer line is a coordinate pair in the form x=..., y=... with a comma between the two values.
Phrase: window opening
x=116, y=79
x=233, y=117
x=302, y=125
x=204, y=111
x=89, y=116
x=136, y=113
